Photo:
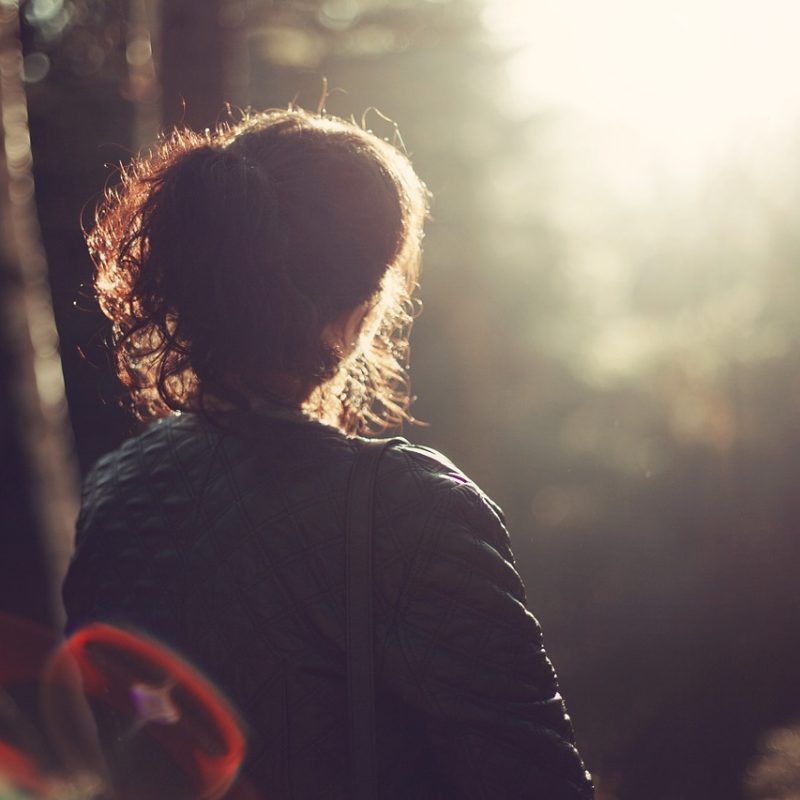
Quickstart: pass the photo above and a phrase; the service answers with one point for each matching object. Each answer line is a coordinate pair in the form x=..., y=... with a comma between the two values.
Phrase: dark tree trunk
x=37, y=478
x=203, y=61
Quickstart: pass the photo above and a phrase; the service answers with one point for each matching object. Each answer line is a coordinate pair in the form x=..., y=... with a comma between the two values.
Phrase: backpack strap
x=359, y=631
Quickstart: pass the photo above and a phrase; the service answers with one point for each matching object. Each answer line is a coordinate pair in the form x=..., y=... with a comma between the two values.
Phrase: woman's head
x=271, y=259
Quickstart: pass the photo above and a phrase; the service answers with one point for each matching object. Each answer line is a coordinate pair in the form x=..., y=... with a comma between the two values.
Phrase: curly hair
x=223, y=257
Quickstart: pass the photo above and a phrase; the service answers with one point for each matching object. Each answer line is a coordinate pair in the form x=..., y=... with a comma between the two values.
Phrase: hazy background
x=610, y=343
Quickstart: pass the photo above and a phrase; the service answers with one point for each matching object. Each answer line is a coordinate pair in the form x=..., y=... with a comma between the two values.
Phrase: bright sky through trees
x=672, y=127
x=690, y=78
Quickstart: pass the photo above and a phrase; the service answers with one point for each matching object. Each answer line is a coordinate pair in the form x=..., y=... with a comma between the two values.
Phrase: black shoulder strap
x=360, y=669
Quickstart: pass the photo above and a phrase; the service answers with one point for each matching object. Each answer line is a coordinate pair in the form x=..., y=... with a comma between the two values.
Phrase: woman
x=259, y=278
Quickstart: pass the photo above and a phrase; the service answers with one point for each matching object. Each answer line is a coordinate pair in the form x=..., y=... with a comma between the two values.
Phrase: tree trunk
x=203, y=60
x=38, y=490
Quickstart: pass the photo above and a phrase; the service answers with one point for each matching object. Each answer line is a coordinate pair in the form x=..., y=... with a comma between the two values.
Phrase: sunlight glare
x=685, y=76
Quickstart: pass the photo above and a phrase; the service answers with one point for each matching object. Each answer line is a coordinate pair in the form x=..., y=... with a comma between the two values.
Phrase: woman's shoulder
x=426, y=492
x=145, y=446
x=424, y=471
x=158, y=454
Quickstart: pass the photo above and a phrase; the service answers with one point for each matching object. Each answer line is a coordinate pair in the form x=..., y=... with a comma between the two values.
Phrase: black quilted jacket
x=229, y=545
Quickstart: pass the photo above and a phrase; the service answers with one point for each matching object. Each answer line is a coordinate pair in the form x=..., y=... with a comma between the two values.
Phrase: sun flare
x=686, y=76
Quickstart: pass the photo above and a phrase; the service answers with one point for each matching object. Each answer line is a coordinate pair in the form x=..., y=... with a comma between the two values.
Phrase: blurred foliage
x=614, y=357
x=78, y=38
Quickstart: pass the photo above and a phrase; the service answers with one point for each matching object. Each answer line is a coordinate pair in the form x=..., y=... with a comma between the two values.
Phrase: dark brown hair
x=222, y=258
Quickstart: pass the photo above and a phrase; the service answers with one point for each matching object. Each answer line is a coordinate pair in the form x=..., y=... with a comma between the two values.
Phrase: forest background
x=610, y=343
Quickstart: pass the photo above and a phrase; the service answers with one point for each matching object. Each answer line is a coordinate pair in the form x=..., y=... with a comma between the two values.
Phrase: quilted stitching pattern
x=229, y=545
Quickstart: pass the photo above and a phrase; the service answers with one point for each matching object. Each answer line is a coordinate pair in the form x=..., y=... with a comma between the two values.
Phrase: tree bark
x=202, y=60
x=38, y=490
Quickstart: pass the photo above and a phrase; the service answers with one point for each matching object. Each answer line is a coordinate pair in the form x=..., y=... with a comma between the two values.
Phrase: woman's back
x=260, y=278
x=227, y=542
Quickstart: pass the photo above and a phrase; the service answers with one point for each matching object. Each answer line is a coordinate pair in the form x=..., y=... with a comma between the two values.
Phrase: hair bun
x=222, y=259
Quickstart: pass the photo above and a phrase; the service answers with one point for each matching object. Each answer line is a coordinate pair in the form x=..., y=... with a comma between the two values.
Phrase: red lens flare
x=24, y=763
x=162, y=729
x=19, y=770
